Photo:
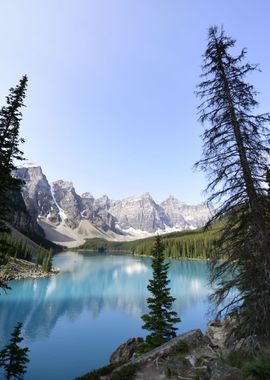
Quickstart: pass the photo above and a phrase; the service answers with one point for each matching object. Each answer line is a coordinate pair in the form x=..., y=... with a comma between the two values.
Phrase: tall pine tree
x=161, y=319
x=236, y=149
x=13, y=358
x=10, y=118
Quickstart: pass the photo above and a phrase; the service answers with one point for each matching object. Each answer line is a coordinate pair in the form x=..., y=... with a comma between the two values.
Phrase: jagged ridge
x=59, y=209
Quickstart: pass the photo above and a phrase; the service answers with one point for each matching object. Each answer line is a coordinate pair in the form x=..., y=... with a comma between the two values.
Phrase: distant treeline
x=194, y=244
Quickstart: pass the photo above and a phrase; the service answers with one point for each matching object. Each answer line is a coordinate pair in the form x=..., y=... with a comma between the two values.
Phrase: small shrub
x=103, y=371
x=181, y=347
x=125, y=373
x=3, y=258
x=144, y=347
x=237, y=359
x=257, y=369
x=6, y=269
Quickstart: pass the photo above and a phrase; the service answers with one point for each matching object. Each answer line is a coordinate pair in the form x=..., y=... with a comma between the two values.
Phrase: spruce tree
x=10, y=118
x=47, y=262
x=236, y=149
x=38, y=258
x=13, y=358
x=161, y=319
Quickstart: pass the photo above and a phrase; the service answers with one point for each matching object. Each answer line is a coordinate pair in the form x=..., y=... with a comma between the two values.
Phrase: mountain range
x=68, y=218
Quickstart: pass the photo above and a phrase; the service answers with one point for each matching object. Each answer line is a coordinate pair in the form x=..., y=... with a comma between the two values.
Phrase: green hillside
x=194, y=244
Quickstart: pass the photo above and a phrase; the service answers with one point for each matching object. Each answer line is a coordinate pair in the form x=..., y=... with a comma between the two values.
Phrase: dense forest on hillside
x=194, y=244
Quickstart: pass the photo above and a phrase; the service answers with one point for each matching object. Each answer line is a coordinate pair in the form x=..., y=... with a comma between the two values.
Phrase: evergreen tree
x=161, y=319
x=10, y=117
x=38, y=257
x=47, y=262
x=13, y=358
x=236, y=147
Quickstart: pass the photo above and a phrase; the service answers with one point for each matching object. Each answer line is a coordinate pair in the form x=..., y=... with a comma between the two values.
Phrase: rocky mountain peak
x=103, y=202
x=65, y=185
x=185, y=216
x=146, y=195
x=132, y=216
x=36, y=192
x=33, y=172
x=87, y=195
x=171, y=200
x=68, y=202
x=139, y=212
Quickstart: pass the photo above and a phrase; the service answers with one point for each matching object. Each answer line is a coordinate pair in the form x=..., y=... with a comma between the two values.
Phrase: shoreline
x=18, y=269
x=136, y=255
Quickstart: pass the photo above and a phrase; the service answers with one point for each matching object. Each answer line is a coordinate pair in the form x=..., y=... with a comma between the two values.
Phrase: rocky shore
x=189, y=356
x=18, y=269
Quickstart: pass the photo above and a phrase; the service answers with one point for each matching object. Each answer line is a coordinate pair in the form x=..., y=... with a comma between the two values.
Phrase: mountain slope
x=68, y=218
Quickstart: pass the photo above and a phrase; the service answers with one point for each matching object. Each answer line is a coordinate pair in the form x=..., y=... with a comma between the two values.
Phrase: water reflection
x=94, y=283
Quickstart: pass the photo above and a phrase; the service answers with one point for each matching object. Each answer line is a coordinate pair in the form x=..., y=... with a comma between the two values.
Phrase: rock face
x=126, y=350
x=216, y=331
x=185, y=216
x=68, y=202
x=37, y=194
x=197, y=358
x=139, y=213
x=60, y=205
x=20, y=218
x=142, y=213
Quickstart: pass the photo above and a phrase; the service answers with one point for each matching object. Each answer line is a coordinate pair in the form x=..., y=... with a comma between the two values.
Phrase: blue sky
x=110, y=103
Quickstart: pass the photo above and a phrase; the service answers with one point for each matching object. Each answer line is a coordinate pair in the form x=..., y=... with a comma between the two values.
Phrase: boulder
x=221, y=371
x=126, y=350
x=216, y=332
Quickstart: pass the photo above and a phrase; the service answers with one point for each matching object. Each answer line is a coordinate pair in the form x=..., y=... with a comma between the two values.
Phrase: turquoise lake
x=72, y=322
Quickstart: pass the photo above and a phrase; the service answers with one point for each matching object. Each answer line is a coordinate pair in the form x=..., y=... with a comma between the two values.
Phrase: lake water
x=75, y=320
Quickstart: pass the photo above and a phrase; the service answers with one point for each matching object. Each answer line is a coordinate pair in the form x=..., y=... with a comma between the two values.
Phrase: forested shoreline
x=194, y=244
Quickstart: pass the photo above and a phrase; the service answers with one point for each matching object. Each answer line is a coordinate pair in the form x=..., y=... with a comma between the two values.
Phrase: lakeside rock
x=126, y=350
x=192, y=355
x=18, y=269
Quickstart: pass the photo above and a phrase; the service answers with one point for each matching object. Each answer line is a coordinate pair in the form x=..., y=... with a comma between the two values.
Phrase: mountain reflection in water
x=106, y=291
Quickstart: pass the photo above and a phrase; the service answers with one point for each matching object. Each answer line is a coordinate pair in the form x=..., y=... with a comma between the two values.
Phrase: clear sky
x=110, y=102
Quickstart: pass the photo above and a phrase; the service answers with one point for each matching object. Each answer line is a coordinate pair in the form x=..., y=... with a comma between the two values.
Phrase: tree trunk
x=251, y=191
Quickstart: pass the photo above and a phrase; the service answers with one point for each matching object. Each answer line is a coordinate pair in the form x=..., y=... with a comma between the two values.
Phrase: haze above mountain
x=68, y=218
